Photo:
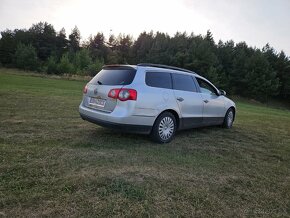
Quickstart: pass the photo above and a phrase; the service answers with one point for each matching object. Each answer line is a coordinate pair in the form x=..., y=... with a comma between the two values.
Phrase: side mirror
x=222, y=92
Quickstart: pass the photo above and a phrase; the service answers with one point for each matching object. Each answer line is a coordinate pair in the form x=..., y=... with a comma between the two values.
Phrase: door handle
x=180, y=99
x=206, y=101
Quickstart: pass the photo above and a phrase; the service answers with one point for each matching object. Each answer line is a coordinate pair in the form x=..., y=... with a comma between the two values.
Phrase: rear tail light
x=85, y=89
x=114, y=93
x=123, y=94
x=127, y=94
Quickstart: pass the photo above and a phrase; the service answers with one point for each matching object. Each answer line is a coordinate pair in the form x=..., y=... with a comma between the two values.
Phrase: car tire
x=164, y=128
x=229, y=119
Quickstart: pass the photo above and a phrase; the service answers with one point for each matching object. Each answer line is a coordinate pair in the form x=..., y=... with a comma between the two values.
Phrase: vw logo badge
x=96, y=91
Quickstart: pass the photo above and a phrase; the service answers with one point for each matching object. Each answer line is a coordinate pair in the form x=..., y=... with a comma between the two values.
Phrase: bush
x=25, y=57
x=82, y=61
x=52, y=66
x=95, y=67
x=65, y=66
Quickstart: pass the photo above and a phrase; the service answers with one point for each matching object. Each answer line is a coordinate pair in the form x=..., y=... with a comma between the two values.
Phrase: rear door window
x=159, y=80
x=183, y=82
x=115, y=76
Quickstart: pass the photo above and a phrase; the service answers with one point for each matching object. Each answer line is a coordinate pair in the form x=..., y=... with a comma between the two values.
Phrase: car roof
x=159, y=67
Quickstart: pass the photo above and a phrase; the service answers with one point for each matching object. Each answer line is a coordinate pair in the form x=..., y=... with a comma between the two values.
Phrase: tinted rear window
x=159, y=80
x=114, y=77
x=183, y=82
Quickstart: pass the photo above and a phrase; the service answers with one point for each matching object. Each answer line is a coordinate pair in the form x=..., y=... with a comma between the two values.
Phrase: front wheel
x=164, y=128
x=229, y=119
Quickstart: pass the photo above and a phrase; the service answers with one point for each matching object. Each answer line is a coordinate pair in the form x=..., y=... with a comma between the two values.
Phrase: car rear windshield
x=114, y=77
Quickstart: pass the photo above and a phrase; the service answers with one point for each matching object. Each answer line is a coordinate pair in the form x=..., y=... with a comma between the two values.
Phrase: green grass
x=52, y=163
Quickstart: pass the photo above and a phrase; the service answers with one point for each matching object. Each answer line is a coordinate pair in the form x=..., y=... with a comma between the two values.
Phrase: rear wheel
x=164, y=128
x=229, y=119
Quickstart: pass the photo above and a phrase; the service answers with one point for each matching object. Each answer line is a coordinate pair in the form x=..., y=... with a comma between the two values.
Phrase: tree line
x=236, y=67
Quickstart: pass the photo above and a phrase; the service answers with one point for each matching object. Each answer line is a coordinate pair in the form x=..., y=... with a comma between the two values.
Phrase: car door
x=189, y=100
x=214, y=106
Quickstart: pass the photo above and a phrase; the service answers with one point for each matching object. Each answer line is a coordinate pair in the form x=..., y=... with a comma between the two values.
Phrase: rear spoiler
x=119, y=67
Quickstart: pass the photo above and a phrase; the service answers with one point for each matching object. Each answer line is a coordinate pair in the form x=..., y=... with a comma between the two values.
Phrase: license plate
x=97, y=102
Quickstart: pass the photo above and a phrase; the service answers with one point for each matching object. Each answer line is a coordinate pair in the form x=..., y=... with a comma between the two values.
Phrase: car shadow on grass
x=103, y=137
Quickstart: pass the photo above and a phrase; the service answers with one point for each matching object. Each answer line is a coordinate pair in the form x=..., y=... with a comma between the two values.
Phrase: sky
x=256, y=22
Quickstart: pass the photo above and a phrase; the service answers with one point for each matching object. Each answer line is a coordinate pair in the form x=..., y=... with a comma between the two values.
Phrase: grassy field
x=52, y=163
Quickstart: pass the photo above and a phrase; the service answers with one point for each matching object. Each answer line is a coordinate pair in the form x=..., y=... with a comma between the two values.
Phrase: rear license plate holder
x=97, y=102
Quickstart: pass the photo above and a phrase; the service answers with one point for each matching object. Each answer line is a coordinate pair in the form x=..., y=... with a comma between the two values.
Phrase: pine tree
x=43, y=38
x=283, y=73
x=74, y=40
x=261, y=80
x=141, y=48
x=7, y=47
x=97, y=47
x=61, y=43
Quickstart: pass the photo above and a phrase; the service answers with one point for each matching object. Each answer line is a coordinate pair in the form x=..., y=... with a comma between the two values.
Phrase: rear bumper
x=141, y=129
x=119, y=121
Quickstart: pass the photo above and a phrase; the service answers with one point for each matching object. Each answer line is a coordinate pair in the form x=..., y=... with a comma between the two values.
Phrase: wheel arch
x=234, y=110
x=175, y=114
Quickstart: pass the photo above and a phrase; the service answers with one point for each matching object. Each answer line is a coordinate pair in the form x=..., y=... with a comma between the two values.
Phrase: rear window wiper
x=100, y=83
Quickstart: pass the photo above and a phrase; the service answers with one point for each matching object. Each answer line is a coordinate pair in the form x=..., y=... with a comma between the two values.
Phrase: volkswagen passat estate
x=154, y=99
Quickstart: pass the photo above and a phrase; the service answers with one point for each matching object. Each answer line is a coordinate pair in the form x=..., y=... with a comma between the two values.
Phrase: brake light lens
x=114, y=93
x=123, y=94
x=85, y=90
x=128, y=94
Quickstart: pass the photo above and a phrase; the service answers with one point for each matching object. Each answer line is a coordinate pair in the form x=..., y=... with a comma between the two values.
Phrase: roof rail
x=164, y=66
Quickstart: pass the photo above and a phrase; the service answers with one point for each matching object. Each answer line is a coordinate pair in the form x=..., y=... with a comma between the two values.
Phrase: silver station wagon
x=154, y=99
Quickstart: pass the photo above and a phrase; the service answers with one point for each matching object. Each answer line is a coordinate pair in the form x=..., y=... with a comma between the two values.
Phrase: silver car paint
x=191, y=104
x=152, y=101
